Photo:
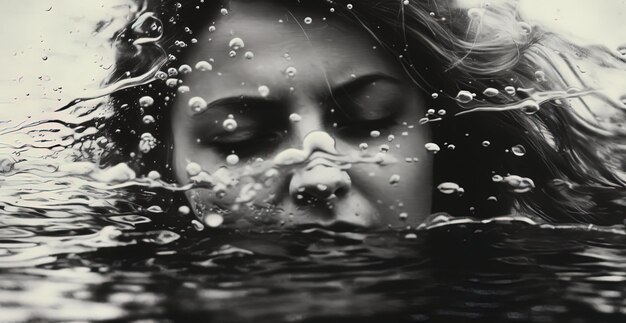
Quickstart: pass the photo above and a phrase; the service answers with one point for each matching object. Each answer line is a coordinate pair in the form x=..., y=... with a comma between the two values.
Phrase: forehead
x=321, y=47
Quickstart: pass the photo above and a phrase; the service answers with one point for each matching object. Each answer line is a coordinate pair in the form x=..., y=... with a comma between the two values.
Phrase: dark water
x=508, y=271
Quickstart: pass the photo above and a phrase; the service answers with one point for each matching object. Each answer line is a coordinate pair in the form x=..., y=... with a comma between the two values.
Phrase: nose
x=319, y=183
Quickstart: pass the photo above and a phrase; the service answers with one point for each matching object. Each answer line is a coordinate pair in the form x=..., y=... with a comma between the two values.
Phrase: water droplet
x=193, y=169
x=236, y=43
x=213, y=220
x=230, y=125
x=211, y=29
x=405, y=2
x=390, y=138
x=147, y=142
x=497, y=178
x=448, y=188
x=486, y=143
x=403, y=215
x=432, y=147
x=172, y=71
x=197, y=104
x=434, y=95
x=161, y=75
x=308, y=20
x=248, y=55
x=232, y=53
x=510, y=90
x=294, y=117
x=491, y=92
x=464, y=96
x=291, y=71
x=363, y=146
x=146, y=101
x=232, y=159
x=197, y=225
x=410, y=236
x=441, y=112
x=394, y=179
x=375, y=133
x=224, y=11
x=264, y=91
x=184, y=210
x=45, y=58
x=148, y=119
x=518, y=150
x=204, y=66
x=384, y=148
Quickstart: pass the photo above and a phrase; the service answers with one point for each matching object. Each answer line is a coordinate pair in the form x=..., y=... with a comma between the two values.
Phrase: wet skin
x=343, y=88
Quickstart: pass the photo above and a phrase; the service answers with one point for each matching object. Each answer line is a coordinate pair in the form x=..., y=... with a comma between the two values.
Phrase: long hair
x=444, y=49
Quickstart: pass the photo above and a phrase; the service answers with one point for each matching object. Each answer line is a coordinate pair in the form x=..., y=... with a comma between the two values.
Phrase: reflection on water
x=499, y=271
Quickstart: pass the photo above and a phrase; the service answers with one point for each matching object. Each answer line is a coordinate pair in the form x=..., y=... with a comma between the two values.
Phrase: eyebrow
x=235, y=102
x=363, y=80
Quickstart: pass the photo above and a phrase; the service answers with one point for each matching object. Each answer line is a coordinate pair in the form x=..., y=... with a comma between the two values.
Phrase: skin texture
x=343, y=88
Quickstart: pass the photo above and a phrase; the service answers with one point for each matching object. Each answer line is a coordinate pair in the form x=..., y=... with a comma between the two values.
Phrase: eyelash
x=256, y=142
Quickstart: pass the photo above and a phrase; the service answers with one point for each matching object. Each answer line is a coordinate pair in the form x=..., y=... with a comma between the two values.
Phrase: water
x=509, y=271
x=75, y=247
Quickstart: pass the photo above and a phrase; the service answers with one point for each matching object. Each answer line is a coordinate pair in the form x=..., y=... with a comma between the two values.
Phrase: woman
x=358, y=116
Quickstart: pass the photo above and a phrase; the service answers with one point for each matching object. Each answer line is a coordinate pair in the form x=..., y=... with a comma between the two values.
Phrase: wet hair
x=444, y=49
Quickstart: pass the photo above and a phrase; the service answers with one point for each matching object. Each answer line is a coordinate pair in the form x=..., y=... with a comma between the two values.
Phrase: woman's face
x=308, y=94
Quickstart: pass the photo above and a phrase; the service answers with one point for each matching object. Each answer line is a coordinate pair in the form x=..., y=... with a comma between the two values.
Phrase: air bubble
x=294, y=117
x=291, y=71
x=224, y=11
x=236, y=43
x=486, y=143
x=232, y=159
x=248, y=55
x=213, y=220
x=203, y=66
x=375, y=133
x=363, y=146
x=172, y=71
x=491, y=92
x=148, y=119
x=403, y=216
x=518, y=150
x=384, y=148
x=349, y=6
x=197, y=225
x=193, y=169
x=464, y=96
x=530, y=107
x=154, y=175
x=448, y=188
x=147, y=142
x=394, y=179
x=230, y=124
x=434, y=95
x=510, y=90
x=432, y=147
x=518, y=184
x=183, y=89
x=197, y=104
x=146, y=101
x=184, y=69
x=540, y=76
x=184, y=210
x=264, y=91
x=308, y=20
x=171, y=82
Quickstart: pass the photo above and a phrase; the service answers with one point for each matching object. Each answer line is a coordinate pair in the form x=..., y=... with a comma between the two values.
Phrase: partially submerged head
x=309, y=113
